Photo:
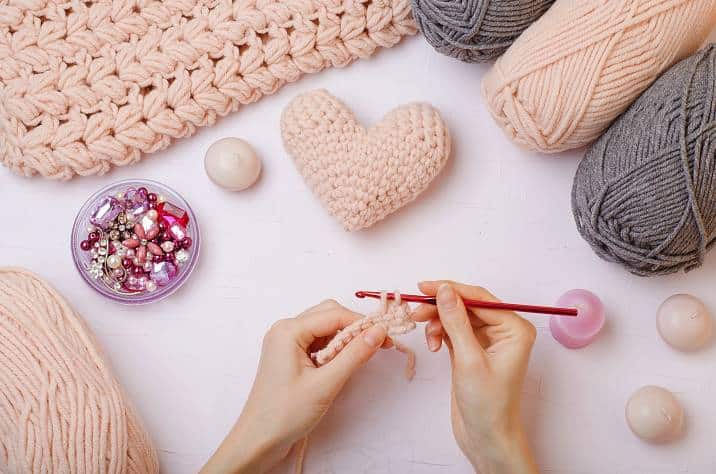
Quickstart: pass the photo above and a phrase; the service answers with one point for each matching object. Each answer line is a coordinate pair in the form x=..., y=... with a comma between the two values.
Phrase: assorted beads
x=137, y=241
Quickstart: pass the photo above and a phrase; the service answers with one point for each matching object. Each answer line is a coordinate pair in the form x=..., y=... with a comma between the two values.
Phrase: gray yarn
x=475, y=30
x=645, y=193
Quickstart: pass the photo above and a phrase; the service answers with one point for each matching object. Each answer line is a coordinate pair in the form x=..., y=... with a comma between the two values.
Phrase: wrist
x=241, y=453
x=508, y=452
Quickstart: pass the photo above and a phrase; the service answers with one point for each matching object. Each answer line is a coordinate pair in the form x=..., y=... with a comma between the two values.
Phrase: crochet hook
x=525, y=308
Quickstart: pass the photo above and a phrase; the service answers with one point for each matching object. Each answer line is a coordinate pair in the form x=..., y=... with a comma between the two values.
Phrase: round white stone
x=684, y=322
x=654, y=414
x=232, y=164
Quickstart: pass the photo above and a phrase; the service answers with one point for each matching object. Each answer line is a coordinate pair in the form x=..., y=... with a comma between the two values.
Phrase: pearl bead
x=113, y=261
x=151, y=286
x=152, y=214
x=684, y=322
x=168, y=246
x=653, y=414
x=232, y=164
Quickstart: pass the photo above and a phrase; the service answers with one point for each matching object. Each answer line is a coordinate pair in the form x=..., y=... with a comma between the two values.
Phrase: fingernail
x=374, y=336
x=433, y=344
x=434, y=330
x=446, y=297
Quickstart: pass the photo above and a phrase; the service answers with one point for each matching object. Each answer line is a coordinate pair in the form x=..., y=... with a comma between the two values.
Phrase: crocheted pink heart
x=362, y=175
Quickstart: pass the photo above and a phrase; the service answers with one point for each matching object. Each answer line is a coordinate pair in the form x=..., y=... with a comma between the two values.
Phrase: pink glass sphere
x=575, y=332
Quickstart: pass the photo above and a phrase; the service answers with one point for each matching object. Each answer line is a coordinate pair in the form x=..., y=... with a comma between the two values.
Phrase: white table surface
x=497, y=216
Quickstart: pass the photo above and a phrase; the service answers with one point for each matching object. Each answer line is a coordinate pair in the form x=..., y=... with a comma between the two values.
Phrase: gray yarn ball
x=645, y=193
x=475, y=30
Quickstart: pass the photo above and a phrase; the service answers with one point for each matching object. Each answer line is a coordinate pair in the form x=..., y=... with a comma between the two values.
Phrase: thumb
x=457, y=326
x=356, y=353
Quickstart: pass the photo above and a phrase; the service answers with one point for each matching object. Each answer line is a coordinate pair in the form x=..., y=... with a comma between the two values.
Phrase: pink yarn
x=362, y=175
x=61, y=409
x=396, y=317
x=85, y=86
x=570, y=74
x=393, y=314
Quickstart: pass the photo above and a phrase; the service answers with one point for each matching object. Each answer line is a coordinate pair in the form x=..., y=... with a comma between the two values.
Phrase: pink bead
x=579, y=331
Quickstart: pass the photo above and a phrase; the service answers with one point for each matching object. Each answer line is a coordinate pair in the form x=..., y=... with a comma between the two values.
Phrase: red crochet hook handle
x=525, y=308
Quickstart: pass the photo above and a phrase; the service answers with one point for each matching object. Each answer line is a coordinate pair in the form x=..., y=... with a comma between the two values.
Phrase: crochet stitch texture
x=87, y=85
x=361, y=175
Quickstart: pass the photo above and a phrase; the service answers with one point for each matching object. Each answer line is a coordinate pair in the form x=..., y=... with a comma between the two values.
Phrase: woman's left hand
x=290, y=394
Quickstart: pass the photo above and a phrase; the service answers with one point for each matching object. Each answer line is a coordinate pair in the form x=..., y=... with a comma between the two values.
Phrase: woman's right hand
x=489, y=351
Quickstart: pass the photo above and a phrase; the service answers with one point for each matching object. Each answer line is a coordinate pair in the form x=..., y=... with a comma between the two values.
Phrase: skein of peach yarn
x=61, y=409
x=577, y=68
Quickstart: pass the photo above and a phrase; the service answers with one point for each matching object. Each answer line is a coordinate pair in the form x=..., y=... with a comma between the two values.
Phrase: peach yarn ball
x=61, y=408
x=571, y=73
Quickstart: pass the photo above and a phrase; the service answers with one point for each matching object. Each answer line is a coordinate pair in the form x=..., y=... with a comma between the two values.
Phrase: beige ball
x=654, y=415
x=684, y=322
x=232, y=164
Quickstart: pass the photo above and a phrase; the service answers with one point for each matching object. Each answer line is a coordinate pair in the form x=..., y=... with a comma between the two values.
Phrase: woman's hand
x=489, y=351
x=290, y=394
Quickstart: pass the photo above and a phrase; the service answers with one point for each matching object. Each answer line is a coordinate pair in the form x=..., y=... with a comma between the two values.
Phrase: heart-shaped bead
x=364, y=174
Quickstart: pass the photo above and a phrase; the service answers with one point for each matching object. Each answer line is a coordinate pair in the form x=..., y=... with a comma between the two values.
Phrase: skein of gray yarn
x=645, y=193
x=475, y=30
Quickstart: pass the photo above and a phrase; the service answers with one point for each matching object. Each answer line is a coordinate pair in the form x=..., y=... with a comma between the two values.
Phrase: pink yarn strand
x=61, y=408
x=395, y=315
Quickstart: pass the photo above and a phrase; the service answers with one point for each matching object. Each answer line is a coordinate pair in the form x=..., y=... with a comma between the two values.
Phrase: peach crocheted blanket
x=90, y=84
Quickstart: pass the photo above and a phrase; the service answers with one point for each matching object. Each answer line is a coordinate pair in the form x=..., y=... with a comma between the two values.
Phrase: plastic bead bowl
x=166, y=265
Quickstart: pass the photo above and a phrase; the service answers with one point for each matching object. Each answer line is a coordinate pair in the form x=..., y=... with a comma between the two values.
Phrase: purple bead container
x=83, y=259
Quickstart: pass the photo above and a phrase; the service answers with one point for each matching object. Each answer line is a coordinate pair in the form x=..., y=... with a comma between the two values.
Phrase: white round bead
x=654, y=415
x=113, y=261
x=684, y=322
x=232, y=164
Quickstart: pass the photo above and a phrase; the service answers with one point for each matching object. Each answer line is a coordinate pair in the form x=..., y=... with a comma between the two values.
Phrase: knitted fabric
x=570, y=74
x=645, y=193
x=475, y=30
x=362, y=175
x=85, y=86
x=61, y=409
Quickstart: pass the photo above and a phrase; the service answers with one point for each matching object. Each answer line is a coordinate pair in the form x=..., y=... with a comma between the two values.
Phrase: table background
x=497, y=216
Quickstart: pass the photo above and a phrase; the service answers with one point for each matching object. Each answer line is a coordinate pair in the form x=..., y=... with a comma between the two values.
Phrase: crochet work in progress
x=61, y=409
x=85, y=86
x=395, y=315
x=361, y=175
